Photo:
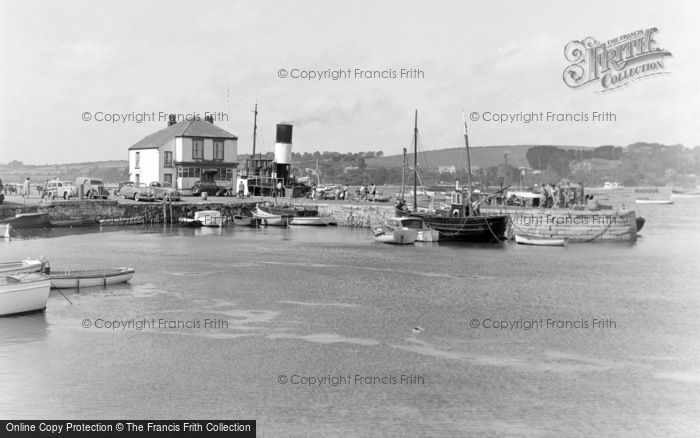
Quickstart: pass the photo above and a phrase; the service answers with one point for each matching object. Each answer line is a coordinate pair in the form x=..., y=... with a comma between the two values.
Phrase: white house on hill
x=181, y=152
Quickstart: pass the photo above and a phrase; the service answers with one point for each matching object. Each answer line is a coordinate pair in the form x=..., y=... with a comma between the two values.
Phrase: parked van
x=92, y=187
x=60, y=189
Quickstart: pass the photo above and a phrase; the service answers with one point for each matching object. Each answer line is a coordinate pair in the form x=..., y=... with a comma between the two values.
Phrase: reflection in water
x=330, y=302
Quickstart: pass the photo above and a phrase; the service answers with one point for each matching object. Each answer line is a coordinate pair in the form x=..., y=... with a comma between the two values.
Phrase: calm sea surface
x=294, y=305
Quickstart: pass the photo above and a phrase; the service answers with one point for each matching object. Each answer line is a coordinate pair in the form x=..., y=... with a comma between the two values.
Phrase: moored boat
x=527, y=240
x=73, y=279
x=28, y=265
x=210, y=218
x=267, y=218
x=690, y=195
x=309, y=221
x=654, y=201
x=424, y=233
x=23, y=293
x=390, y=234
x=189, y=222
x=28, y=220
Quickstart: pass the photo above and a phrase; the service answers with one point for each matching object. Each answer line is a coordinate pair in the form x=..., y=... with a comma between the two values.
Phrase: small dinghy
x=23, y=293
x=654, y=201
x=399, y=236
x=189, y=222
x=89, y=278
x=271, y=219
x=210, y=218
x=526, y=240
x=28, y=265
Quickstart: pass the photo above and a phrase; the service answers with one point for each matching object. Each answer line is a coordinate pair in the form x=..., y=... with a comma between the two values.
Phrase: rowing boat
x=87, y=278
x=22, y=293
x=526, y=240
x=653, y=201
x=28, y=265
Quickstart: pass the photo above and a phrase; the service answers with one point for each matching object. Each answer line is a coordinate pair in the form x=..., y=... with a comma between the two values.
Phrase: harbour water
x=277, y=324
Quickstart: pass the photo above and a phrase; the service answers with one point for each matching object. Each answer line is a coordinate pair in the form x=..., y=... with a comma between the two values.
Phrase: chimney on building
x=172, y=119
x=209, y=119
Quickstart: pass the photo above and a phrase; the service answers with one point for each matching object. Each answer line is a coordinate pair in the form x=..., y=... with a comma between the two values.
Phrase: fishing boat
x=527, y=240
x=28, y=220
x=653, y=201
x=313, y=221
x=210, y=218
x=388, y=233
x=244, y=221
x=88, y=278
x=461, y=221
x=29, y=265
x=23, y=293
x=189, y=222
x=306, y=216
x=267, y=218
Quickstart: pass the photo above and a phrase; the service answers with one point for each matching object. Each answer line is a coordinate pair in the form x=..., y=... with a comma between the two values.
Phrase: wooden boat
x=245, y=221
x=210, y=218
x=684, y=195
x=88, y=278
x=23, y=293
x=28, y=220
x=271, y=219
x=189, y=222
x=424, y=234
x=462, y=221
x=640, y=221
x=29, y=265
x=388, y=234
x=317, y=221
x=653, y=201
x=527, y=240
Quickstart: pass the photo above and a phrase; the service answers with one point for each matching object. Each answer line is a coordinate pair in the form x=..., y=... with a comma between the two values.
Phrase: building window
x=168, y=159
x=229, y=173
x=197, y=149
x=168, y=178
x=137, y=164
x=219, y=150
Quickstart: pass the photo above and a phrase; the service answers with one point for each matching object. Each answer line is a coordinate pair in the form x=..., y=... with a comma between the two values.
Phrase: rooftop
x=186, y=128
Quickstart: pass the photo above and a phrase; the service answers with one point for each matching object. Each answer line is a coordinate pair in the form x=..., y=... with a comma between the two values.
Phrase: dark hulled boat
x=462, y=222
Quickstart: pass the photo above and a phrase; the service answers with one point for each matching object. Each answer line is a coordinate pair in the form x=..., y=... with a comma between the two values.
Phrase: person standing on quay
x=25, y=192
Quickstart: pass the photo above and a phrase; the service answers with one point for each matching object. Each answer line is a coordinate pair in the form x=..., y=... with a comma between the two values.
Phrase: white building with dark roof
x=183, y=153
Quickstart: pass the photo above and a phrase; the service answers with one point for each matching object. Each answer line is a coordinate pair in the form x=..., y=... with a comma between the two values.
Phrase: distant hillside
x=109, y=171
x=481, y=157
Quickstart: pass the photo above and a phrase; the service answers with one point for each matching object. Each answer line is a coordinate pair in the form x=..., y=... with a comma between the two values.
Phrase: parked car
x=164, y=191
x=92, y=187
x=123, y=184
x=60, y=189
x=137, y=192
x=209, y=187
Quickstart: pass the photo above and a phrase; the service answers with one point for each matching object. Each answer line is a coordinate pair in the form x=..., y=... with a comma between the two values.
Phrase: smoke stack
x=172, y=119
x=283, y=145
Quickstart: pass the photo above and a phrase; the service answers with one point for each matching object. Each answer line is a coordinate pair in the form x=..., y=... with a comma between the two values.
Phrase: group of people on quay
x=562, y=195
x=362, y=193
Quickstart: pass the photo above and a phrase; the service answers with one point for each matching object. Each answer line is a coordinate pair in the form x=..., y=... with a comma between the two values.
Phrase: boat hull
x=210, y=218
x=654, y=201
x=402, y=236
x=526, y=240
x=189, y=222
x=79, y=279
x=312, y=221
x=29, y=220
x=271, y=219
x=27, y=295
x=466, y=229
x=576, y=225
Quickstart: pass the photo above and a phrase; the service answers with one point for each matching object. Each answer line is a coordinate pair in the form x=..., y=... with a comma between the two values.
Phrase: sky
x=63, y=60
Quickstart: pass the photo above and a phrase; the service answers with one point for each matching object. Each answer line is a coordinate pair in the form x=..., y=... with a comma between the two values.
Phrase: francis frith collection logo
x=614, y=63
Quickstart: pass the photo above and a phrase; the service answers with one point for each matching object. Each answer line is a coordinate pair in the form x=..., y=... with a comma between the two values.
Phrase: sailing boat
x=462, y=222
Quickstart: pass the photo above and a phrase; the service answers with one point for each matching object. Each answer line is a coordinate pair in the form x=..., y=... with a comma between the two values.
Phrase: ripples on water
x=331, y=302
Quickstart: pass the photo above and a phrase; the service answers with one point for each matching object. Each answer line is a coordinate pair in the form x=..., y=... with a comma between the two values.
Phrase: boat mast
x=415, y=163
x=255, y=127
x=403, y=174
x=469, y=166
